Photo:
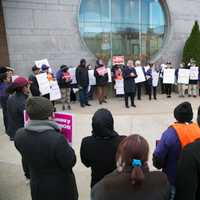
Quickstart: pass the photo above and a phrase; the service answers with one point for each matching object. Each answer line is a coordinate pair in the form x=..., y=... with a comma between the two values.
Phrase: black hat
x=39, y=108
x=183, y=112
x=35, y=68
x=64, y=67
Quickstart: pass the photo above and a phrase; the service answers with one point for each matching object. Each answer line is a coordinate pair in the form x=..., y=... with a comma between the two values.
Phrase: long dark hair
x=134, y=147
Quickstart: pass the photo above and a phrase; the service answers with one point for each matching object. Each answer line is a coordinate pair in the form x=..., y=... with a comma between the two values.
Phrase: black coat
x=15, y=110
x=50, y=160
x=129, y=82
x=82, y=76
x=117, y=186
x=188, y=173
x=34, y=87
x=99, y=150
x=100, y=80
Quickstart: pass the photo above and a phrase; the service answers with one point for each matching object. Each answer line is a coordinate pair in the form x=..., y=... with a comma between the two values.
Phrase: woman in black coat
x=98, y=151
x=129, y=75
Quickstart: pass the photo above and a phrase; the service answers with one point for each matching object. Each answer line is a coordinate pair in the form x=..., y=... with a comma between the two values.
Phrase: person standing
x=98, y=151
x=34, y=87
x=64, y=81
x=82, y=78
x=129, y=75
x=47, y=153
x=168, y=86
x=101, y=74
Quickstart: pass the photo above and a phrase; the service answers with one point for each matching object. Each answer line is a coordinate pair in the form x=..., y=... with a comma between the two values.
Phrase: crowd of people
x=119, y=164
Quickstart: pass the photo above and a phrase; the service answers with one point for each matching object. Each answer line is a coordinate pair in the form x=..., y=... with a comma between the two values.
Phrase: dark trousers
x=3, y=102
x=83, y=96
x=132, y=96
x=139, y=90
x=25, y=169
x=149, y=91
x=168, y=89
x=91, y=92
x=162, y=86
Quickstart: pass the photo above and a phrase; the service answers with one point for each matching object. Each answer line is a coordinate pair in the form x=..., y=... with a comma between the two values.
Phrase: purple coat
x=167, y=153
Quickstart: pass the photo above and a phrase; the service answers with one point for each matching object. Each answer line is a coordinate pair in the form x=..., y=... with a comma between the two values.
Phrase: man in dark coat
x=129, y=75
x=98, y=151
x=34, y=87
x=49, y=157
x=82, y=79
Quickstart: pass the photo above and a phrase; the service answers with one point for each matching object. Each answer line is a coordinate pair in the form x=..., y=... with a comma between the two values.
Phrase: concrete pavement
x=149, y=119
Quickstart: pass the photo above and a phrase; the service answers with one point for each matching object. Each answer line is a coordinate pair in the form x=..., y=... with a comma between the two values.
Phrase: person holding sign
x=168, y=79
x=34, y=87
x=101, y=74
x=64, y=81
x=129, y=75
x=152, y=77
x=82, y=78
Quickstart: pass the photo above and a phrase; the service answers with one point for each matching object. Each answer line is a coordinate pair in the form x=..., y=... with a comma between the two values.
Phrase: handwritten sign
x=119, y=87
x=140, y=75
x=55, y=93
x=169, y=76
x=183, y=76
x=43, y=83
x=194, y=73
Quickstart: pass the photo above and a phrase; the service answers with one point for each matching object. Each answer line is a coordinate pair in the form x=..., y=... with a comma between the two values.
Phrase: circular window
x=133, y=28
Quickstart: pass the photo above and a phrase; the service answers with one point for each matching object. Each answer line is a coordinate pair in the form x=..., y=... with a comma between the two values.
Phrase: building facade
x=64, y=31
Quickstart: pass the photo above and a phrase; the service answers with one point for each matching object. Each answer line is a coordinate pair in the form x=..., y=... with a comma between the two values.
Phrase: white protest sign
x=92, y=79
x=194, y=73
x=14, y=77
x=39, y=63
x=109, y=75
x=43, y=83
x=140, y=75
x=119, y=87
x=55, y=93
x=183, y=76
x=72, y=72
x=169, y=76
x=146, y=68
x=155, y=78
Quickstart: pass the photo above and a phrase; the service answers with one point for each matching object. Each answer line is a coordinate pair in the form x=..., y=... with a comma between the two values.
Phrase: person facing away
x=188, y=171
x=98, y=151
x=181, y=133
x=64, y=80
x=49, y=156
x=82, y=79
x=129, y=75
x=132, y=179
x=101, y=75
x=34, y=86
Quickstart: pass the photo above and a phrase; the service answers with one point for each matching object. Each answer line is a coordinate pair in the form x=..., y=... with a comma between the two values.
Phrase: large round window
x=133, y=28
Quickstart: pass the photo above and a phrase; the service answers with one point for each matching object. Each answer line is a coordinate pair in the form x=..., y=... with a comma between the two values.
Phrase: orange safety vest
x=187, y=133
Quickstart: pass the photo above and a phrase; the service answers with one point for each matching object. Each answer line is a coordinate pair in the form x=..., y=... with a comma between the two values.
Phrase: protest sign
x=72, y=72
x=109, y=75
x=146, y=68
x=65, y=121
x=155, y=78
x=118, y=60
x=183, y=76
x=169, y=76
x=140, y=75
x=194, y=73
x=92, y=79
x=39, y=63
x=102, y=71
x=119, y=87
x=55, y=93
x=43, y=83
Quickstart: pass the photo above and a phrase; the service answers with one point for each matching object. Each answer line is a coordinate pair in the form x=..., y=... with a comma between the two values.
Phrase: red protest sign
x=118, y=60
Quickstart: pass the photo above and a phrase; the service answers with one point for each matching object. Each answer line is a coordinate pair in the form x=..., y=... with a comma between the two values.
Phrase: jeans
x=83, y=96
x=3, y=102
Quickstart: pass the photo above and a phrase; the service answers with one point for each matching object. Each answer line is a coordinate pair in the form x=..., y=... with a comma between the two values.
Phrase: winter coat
x=188, y=173
x=129, y=82
x=82, y=76
x=63, y=81
x=99, y=150
x=117, y=186
x=15, y=111
x=100, y=80
x=50, y=160
x=34, y=87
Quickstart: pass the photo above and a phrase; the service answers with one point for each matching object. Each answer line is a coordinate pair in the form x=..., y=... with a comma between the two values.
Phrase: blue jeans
x=83, y=96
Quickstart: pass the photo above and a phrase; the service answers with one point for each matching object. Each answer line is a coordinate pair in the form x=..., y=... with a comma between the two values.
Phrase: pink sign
x=64, y=121
x=118, y=60
x=102, y=71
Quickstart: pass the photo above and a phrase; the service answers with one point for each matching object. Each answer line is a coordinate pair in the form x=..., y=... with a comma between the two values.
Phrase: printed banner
x=169, y=76
x=194, y=73
x=183, y=76
x=43, y=83
x=118, y=60
x=140, y=75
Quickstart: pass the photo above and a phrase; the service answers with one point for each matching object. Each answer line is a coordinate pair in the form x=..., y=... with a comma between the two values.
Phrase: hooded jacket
x=50, y=160
x=98, y=151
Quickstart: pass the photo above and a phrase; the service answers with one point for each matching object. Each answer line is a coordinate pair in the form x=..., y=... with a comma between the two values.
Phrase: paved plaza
x=149, y=119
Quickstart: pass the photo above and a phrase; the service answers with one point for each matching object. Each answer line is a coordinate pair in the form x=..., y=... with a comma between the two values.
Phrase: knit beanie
x=39, y=108
x=183, y=112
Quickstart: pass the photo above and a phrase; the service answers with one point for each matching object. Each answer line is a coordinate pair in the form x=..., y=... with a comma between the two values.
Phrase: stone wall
x=39, y=29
